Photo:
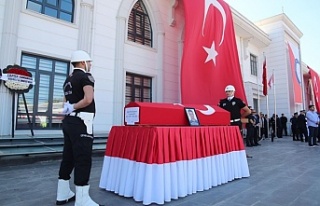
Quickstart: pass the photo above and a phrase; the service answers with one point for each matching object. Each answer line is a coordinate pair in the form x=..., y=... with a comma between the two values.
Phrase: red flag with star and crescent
x=210, y=59
x=315, y=80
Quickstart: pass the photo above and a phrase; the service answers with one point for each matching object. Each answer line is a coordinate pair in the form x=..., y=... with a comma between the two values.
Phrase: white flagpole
x=274, y=96
x=268, y=113
x=258, y=98
x=302, y=81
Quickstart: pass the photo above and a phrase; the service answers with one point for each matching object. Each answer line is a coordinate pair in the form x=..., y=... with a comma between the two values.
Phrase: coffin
x=146, y=113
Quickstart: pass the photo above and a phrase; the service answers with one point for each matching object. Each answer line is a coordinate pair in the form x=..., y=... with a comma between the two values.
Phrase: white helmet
x=230, y=88
x=79, y=56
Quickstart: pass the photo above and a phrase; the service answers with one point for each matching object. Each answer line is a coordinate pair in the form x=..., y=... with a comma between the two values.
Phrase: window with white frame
x=138, y=88
x=60, y=9
x=139, y=26
x=45, y=100
x=253, y=65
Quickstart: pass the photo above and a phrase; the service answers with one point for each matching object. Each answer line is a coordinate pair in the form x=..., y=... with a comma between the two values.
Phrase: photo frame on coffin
x=192, y=116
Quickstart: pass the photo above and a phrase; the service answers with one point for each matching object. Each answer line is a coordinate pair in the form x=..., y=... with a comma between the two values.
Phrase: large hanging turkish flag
x=315, y=85
x=210, y=59
x=296, y=73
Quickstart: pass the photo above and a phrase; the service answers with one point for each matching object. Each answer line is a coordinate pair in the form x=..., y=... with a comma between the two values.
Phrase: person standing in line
x=250, y=130
x=302, y=126
x=284, y=120
x=266, y=126
x=79, y=109
x=256, y=127
x=279, y=127
x=272, y=123
x=263, y=126
x=294, y=126
x=234, y=105
x=312, y=122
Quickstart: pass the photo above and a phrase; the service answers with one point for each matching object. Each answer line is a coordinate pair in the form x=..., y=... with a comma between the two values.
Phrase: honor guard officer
x=234, y=105
x=79, y=109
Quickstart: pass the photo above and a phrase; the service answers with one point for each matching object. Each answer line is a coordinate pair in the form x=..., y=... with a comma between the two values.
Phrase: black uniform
x=302, y=127
x=284, y=120
x=77, y=148
x=234, y=106
x=272, y=125
x=250, y=130
x=294, y=128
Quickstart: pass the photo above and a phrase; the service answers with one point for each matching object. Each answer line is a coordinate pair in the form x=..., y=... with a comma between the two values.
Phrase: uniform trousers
x=303, y=131
x=250, y=136
x=77, y=151
x=294, y=132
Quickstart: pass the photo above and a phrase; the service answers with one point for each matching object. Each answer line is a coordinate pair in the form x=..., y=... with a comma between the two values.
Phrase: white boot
x=83, y=198
x=64, y=194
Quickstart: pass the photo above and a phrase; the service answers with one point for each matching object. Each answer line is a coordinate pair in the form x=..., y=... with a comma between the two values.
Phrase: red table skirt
x=157, y=164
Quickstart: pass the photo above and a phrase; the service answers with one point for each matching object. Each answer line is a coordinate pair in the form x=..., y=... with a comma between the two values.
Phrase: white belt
x=235, y=120
x=74, y=114
x=87, y=118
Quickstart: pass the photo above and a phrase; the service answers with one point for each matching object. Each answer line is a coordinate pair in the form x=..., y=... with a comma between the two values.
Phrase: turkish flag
x=296, y=75
x=210, y=59
x=271, y=80
x=264, y=77
x=315, y=84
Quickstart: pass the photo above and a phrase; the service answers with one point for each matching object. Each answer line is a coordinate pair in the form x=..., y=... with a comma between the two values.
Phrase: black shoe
x=257, y=144
x=315, y=145
x=310, y=145
x=249, y=146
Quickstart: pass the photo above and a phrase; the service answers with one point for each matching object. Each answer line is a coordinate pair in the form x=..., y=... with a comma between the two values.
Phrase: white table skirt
x=159, y=183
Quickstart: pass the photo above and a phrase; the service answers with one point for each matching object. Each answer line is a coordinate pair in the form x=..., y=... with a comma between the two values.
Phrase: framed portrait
x=192, y=116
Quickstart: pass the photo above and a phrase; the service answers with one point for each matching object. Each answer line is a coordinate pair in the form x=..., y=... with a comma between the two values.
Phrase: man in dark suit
x=284, y=120
x=256, y=127
x=302, y=126
x=264, y=126
x=294, y=126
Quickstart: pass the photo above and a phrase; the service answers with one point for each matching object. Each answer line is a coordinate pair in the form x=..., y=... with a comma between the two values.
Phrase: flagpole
x=275, y=110
x=302, y=81
x=268, y=127
x=258, y=98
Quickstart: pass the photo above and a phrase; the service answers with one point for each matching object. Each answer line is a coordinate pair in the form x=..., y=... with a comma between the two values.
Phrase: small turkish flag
x=210, y=59
x=264, y=77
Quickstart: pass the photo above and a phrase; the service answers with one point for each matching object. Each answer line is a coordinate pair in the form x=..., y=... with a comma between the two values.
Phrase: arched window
x=60, y=9
x=139, y=26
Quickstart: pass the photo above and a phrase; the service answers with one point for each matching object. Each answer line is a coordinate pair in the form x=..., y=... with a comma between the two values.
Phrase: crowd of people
x=304, y=127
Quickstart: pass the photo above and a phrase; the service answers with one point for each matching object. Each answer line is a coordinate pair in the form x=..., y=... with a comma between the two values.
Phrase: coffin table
x=156, y=164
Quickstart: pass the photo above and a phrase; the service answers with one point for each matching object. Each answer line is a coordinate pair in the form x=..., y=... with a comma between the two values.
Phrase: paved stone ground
x=283, y=173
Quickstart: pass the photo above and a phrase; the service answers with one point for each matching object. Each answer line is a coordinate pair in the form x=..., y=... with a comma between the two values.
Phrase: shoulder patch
x=90, y=77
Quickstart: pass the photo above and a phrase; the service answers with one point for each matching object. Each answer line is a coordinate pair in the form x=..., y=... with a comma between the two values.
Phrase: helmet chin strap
x=87, y=68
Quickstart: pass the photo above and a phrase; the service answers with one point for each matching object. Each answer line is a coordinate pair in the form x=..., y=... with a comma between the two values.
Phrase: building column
x=159, y=82
x=119, y=73
x=8, y=51
x=85, y=25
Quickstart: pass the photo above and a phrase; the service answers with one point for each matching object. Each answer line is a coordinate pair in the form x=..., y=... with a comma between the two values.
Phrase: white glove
x=67, y=108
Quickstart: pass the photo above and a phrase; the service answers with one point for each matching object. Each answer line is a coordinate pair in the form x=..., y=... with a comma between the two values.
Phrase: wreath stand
x=13, y=113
